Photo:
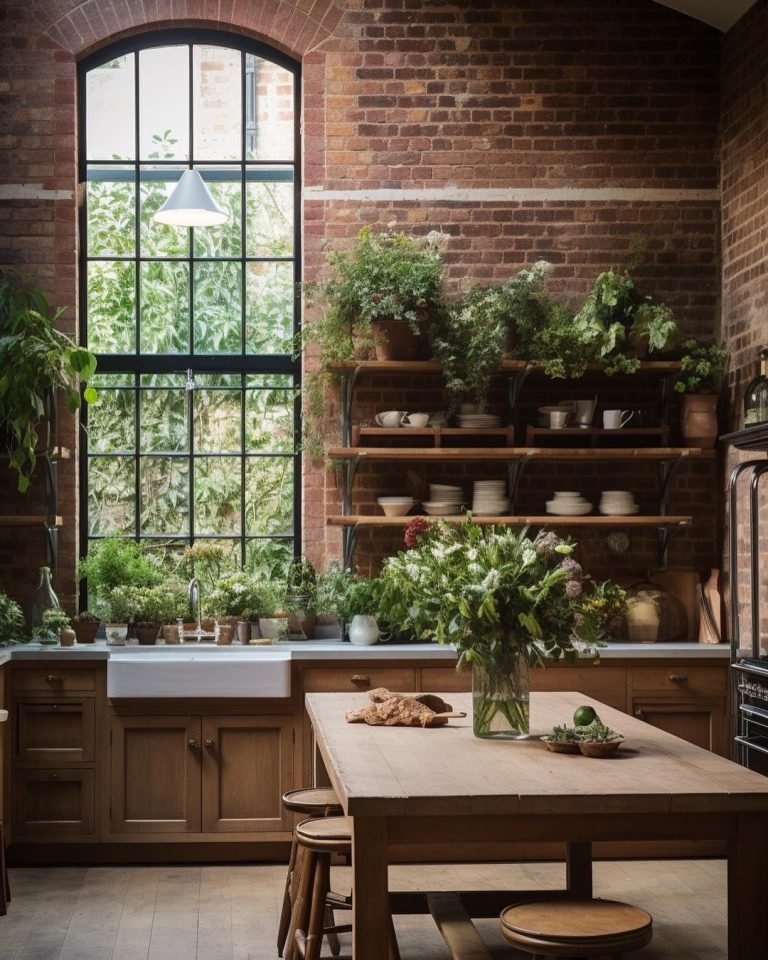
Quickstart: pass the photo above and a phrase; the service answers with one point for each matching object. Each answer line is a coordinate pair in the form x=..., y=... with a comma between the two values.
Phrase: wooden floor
x=230, y=912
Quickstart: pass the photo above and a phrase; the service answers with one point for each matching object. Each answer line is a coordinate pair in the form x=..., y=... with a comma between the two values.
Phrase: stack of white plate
x=618, y=503
x=490, y=498
x=568, y=503
x=478, y=421
x=444, y=500
x=396, y=506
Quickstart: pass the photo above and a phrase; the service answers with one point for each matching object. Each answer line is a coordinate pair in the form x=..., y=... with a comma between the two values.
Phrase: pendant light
x=191, y=204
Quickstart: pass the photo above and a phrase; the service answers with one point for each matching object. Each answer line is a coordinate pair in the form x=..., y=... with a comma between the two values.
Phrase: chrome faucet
x=196, y=604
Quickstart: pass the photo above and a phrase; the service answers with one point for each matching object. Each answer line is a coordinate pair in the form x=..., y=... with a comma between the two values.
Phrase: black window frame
x=139, y=364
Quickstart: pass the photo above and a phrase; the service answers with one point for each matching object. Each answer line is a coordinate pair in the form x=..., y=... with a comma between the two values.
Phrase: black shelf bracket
x=667, y=470
x=666, y=532
x=515, y=470
x=346, y=471
x=347, y=388
x=515, y=383
x=349, y=543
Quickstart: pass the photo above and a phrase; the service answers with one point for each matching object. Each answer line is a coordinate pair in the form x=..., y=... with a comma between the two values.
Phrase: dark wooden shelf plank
x=364, y=520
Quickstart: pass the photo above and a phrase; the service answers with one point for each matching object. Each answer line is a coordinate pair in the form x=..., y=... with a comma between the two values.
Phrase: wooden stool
x=319, y=839
x=314, y=802
x=583, y=928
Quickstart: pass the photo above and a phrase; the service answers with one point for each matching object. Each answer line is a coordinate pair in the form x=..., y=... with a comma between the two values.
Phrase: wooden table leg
x=370, y=893
x=578, y=870
x=747, y=916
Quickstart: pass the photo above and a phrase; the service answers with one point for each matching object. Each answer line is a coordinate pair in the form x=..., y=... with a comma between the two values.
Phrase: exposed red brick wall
x=744, y=141
x=424, y=94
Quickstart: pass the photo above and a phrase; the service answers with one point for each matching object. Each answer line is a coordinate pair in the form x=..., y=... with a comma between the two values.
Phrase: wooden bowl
x=556, y=747
x=600, y=749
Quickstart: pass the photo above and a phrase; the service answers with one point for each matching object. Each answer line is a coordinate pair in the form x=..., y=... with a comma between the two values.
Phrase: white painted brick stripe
x=32, y=191
x=518, y=194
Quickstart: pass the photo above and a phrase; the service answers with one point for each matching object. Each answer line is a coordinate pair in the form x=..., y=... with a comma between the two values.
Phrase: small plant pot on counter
x=67, y=637
x=272, y=628
x=170, y=633
x=246, y=629
x=117, y=634
x=86, y=630
x=147, y=632
x=226, y=633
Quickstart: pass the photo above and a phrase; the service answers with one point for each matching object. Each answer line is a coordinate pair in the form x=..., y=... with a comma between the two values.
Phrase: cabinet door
x=247, y=766
x=53, y=804
x=59, y=731
x=155, y=775
x=697, y=720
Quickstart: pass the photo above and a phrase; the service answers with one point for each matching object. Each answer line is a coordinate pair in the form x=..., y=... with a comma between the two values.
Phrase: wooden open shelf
x=552, y=520
x=592, y=436
x=506, y=454
x=31, y=521
x=436, y=434
x=508, y=367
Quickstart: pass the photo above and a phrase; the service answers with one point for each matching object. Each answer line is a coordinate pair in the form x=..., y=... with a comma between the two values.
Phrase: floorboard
x=231, y=912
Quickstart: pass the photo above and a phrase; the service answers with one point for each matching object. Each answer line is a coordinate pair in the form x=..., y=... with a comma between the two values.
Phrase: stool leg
x=332, y=937
x=285, y=913
x=306, y=860
x=322, y=879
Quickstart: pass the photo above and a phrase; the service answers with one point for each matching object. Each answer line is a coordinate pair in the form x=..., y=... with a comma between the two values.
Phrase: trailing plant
x=563, y=348
x=13, y=628
x=528, y=304
x=36, y=360
x=113, y=563
x=702, y=367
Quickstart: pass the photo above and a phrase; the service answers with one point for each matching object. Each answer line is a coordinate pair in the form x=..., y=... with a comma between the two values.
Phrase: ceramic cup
x=583, y=411
x=558, y=419
x=390, y=418
x=416, y=420
x=615, y=419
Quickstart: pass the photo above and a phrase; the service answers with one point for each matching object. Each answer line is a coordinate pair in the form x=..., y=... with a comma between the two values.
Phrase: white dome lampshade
x=191, y=204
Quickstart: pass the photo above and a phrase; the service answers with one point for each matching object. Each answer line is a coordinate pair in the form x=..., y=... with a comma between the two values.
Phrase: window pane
x=111, y=307
x=111, y=496
x=269, y=299
x=217, y=305
x=111, y=206
x=269, y=558
x=217, y=421
x=164, y=421
x=112, y=422
x=269, y=496
x=269, y=110
x=269, y=421
x=217, y=116
x=110, y=121
x=160, y=239
x=165, y=495
x=217, y=495
x=269, y=219
x=226, y=240
x=164, y=103
x=164, y=307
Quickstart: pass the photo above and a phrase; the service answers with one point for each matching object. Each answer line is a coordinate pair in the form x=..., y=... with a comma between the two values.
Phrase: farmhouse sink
x=197, y=673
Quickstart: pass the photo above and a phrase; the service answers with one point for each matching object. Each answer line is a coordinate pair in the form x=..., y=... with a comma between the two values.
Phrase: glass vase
x=501, y=698
x=41, y=599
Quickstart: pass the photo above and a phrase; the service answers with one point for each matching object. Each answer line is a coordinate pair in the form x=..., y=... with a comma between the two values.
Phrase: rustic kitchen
x=383, y=430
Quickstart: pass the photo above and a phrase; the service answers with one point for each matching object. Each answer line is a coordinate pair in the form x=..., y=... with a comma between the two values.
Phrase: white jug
x=363, y=630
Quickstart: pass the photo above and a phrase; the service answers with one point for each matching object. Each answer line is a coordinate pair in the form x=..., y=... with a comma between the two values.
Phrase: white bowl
x=619, y=511
x=579, y=510
x=396, y=509
x=383, y=500
x=441, y=509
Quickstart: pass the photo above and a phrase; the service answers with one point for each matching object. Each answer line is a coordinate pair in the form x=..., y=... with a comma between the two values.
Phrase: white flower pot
x=363, y=630
x=116, y=634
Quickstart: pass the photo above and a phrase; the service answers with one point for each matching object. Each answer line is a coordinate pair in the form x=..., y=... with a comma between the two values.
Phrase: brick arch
x=293, y=26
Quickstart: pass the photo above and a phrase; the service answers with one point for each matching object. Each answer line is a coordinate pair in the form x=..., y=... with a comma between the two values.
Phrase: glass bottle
x=756, y=396
x=41, y=599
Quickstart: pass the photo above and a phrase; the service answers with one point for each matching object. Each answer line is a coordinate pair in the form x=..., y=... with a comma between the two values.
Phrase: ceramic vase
x=501, y=697
x=698, y=419
x=363, y=630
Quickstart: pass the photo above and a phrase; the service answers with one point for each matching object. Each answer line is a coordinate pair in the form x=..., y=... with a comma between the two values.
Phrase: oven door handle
x=746, y=742
x=759, y=713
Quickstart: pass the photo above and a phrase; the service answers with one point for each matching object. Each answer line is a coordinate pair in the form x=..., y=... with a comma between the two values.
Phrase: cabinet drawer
x=55, y=731
x=446, y=679
x=53, y=680
x=358, y=678
x=53, y=803
x=589, y=680
x=683, y=681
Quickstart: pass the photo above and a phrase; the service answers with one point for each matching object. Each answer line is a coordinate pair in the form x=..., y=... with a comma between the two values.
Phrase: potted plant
x=702, y=371
x=269, y=597
x=86, y=625
x=55, y=628
x=301, y=597
x=113, y=563
x=169, y=603
x=502, y=599
x=13, y=628
x=379, y=296
x=37, y=361
x=235, y=603
x=360, y=610
x=118, y=614
x=597, y=739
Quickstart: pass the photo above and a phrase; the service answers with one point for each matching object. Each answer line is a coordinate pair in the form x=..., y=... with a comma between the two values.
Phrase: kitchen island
x=190, y=769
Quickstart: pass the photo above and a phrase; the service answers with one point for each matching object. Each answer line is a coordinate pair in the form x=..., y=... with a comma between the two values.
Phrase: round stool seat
x=312, y=800
x=327, y=835
x=562, y=928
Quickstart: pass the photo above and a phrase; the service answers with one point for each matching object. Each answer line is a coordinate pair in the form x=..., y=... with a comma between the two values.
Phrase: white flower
x=491, y=580
x=472, y=554
x=412, y=570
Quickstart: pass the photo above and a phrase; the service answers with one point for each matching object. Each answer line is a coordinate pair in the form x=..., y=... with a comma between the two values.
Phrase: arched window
x=194, y=436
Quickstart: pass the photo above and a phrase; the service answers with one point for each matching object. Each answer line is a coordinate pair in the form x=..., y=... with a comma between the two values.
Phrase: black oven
x=752, y=717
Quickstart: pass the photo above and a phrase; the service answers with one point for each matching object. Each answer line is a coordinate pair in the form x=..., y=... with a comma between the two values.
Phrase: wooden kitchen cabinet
x=199, y=774
x=54, y=804
x=55, y=731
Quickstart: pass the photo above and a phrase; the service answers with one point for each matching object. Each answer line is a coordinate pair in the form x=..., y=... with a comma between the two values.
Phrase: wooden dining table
x=415, y=788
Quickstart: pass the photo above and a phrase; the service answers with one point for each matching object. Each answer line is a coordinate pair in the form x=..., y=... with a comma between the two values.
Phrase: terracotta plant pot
x=226, y=632
x=698, y=419
x=147, y=633
x=394, y=340
x=170, y=633
x=86, y=631
x=245, y=630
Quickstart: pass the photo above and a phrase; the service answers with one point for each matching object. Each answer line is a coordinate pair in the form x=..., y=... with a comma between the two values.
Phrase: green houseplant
x=112, y=563
x=502, y=599
x=702, y=372
x=36, y=361
x=13, y=628
x=301, y=597
x=86, y=626
x=55, y=622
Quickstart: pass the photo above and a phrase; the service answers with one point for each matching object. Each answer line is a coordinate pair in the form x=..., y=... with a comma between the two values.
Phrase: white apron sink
x=199, y=674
